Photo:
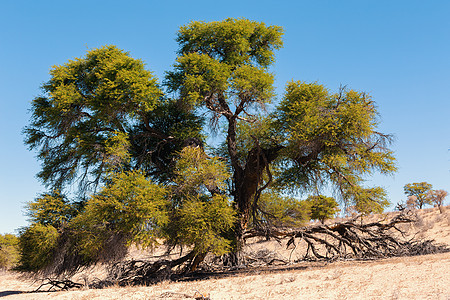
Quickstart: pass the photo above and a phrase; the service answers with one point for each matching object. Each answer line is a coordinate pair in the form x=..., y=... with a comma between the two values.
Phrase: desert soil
x=418, y=277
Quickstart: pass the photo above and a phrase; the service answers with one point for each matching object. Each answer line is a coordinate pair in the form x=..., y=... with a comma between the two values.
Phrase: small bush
x=9, y=251
x=322, y=207
x=37, y=244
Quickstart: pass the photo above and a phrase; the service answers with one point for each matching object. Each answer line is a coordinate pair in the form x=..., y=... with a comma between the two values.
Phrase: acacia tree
x=419, y=190
x=438, y=197
x=322, y=207
x=104, y=117
x=313, y=135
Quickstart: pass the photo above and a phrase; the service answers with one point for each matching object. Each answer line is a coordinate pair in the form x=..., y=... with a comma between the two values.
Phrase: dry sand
x=419, y=277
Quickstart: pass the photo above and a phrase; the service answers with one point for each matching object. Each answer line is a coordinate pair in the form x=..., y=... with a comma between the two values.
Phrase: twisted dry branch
x=353, y=239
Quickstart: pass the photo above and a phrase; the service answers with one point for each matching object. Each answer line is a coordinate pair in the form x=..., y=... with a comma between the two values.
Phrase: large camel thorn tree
x=143, y=166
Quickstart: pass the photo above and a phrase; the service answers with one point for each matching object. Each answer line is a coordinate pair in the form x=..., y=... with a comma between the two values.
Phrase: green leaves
x=130, y=205
x=9, y=251
x=420, y=191
x=51, y=209
x=201, y=214
x=37, y=244
x=202, y=224
x=322, y=207
x=232, y=41
x=224, y=64
x=281, y=211
x=332, y=138
x=198, y=174
x=86, y=104
x=203, y=76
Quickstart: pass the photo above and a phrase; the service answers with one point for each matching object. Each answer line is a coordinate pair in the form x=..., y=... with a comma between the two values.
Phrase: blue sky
x=397, y=51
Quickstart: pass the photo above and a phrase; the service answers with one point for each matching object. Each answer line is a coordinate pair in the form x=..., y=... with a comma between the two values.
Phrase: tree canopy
x=419, y=190
x=105, y=122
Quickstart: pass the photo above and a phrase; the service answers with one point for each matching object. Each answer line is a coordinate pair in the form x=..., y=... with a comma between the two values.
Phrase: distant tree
x=411, y=202
x=282, y=211
x=420, y=191
x=437, y=197
x=322, y=207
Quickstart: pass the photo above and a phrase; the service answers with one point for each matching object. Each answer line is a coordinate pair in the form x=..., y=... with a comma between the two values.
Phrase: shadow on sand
x=9, y=293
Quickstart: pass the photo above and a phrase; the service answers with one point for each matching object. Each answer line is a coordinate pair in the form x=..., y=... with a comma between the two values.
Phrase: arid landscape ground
x=416, y=277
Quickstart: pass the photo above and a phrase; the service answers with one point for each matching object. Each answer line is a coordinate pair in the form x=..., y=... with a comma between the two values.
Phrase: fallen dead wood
x=352, y=239
x=58, y=285
x=138, y=272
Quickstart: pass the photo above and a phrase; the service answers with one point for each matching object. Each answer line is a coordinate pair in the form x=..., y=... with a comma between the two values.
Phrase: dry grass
x=419, y=277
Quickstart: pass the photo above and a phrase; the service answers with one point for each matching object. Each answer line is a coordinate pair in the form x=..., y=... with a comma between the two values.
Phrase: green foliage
x=201, y=215
x=232, y=41
x=322, y=207
x=197, y=174
x=88, y=105
x=283, y=211
x=130, y=206
x=370, y=200
x=225, y=61
x=51, y=209
x=171, y=126
x=37, y=244
x=9, y=251
x=420, y=191
x=331, y=138
x=201, y=224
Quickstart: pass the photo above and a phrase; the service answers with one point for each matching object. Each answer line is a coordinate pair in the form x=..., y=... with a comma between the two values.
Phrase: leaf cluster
x=87, y=106
x=331, y=138
x=201, y=214
x=283, y=211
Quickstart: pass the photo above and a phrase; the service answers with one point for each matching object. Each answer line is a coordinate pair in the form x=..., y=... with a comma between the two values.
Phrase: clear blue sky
x=398, y=51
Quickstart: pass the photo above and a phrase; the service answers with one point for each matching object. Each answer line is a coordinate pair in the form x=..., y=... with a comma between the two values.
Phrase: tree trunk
x=246, y=187
x=246, y=180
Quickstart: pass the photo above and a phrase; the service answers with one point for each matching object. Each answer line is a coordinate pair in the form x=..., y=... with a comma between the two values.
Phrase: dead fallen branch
x=58, y=285
x=352, y=239
x=137, y=272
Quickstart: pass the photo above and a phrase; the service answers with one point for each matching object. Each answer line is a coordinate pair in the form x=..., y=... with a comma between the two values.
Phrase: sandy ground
x=419, y=277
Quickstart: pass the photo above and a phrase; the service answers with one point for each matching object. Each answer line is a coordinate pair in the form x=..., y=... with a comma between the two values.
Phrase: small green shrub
x=9, y=251
x=283, y=211
x=37, y=244
x=322, y=207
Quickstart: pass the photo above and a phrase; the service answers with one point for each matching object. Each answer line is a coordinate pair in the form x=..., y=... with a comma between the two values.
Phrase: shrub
x=322, y=207
x=37, y=244
x=9, y=251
